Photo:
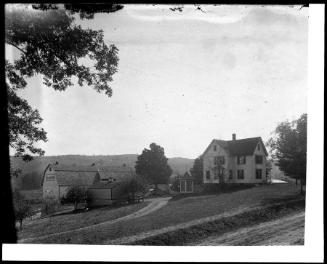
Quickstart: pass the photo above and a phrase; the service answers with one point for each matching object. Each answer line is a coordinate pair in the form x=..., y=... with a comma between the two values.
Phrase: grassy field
x=70, y=221
x=32, y=194
x=183, y=210
x=218, y=227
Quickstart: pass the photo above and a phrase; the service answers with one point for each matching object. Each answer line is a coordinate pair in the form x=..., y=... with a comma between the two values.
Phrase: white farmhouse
x=235, y=161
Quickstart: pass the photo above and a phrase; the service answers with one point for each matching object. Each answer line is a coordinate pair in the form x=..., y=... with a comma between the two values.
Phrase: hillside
x=32, y=171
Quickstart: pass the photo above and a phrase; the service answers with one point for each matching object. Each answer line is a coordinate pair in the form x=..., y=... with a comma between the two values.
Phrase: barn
x=57, y=179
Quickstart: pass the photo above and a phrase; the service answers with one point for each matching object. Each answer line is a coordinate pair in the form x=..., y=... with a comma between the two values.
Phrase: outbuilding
x=186, y=183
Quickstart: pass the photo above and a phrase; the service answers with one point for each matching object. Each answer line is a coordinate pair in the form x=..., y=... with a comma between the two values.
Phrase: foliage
x=175, y=184
x=289, y=147
x=31, y=181
x=53, y=46
x=197, y=170
x=153, y=166
x=76, y=195
x=22, y=208
x=133, y=186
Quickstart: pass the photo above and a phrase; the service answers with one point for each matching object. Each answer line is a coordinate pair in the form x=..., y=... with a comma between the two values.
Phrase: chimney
x=234, y=136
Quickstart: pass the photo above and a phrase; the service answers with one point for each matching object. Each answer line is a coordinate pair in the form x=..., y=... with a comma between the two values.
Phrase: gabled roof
x=186, y=176
x=221, y=143
x=239, y=147
x=244, y=146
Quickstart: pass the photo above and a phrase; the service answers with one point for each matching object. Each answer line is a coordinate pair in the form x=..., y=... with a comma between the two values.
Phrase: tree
x=133, y=186
x=197, y=170
x=152, y=164
x=53, y=46
x=22, y=208
x=289, y=148
x=76, y=195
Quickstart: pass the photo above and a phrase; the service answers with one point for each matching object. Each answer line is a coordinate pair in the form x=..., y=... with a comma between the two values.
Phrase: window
x=230, y=174
x=258, y=146
x=240, y=174
x=214, y=148
x=258, y=174
x=208, y=175
x=50, y=178
x=241, y=160
x=219, y=160
x=258, y=159
x=189, y=186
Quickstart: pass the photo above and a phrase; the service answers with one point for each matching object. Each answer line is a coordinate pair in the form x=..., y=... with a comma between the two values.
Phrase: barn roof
x=118, y=175
x=63, y=167
x=85, y=175
x=238, y=147
x=69, y=178
x=104, y=185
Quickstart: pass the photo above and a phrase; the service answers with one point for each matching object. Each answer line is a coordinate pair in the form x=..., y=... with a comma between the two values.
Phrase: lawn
x=183, y=210
x=70, y=221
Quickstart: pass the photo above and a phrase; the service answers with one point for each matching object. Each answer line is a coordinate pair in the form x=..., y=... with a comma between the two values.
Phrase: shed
x=186, y=183
x=105, y=193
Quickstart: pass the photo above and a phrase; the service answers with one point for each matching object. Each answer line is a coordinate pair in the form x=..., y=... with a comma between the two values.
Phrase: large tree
x=197, y=170
x=51, y=44
x=289, y=148
x=152, y=164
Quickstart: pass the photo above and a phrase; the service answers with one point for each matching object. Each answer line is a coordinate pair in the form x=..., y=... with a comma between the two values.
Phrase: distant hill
x=32, y=171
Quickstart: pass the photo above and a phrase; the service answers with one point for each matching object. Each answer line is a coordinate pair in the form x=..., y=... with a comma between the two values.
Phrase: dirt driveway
x=288, y=230
x=155, y=204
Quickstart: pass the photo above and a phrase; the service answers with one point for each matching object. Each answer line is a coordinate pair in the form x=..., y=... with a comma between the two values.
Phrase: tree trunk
x=75, y=206
x=21, y=224
x=301, y=182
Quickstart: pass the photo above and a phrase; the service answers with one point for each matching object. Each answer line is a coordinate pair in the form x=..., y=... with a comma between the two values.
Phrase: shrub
x=175, y=185
x=76, y=195
x=22, y=208
x=133, y=186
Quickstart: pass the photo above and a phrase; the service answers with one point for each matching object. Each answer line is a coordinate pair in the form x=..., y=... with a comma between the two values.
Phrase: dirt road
x=155, y=204
x=288, y=230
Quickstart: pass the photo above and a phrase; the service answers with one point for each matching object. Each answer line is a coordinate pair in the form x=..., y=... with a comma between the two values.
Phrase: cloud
x=217, y=14
x=208, y=13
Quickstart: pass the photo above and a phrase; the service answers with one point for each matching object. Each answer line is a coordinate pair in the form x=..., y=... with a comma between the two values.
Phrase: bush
x=175, y=185
x=133, y=187
x=22, y=208
x=76, y=195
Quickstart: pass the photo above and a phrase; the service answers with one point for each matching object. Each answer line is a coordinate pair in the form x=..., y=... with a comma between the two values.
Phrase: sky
x=184, y=78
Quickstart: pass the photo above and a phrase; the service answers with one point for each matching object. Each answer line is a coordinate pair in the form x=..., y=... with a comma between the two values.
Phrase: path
x=155, y=204
x=288, y=230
